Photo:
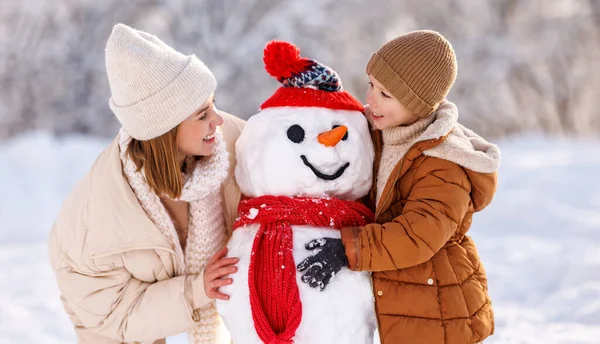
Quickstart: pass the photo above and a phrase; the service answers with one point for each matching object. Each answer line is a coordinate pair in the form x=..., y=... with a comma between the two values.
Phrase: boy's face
x=388, y=112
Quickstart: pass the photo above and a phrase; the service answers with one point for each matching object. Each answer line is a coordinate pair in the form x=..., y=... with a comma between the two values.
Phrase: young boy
x=432, y=174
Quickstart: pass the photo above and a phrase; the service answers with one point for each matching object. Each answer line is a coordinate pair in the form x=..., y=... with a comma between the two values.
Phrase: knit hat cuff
x=384, y=73
x=306, y=97
x=156, y=115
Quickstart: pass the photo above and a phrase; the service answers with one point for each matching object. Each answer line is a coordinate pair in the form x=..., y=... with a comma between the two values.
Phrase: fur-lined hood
x=465, y=148
x=462, y=145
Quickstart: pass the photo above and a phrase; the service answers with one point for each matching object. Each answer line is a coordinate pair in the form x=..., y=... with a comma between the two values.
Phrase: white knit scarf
x=206, y=235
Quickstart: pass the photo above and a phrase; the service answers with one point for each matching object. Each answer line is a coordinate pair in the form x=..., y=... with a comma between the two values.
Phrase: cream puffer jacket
x=115, y=270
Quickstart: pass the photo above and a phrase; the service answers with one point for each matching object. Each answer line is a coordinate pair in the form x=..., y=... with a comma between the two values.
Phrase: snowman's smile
x=322, y=175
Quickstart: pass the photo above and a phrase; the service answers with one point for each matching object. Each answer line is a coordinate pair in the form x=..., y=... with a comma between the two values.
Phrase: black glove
x=323, y=266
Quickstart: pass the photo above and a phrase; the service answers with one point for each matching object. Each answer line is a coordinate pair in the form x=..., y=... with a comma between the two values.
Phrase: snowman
x=302, y=162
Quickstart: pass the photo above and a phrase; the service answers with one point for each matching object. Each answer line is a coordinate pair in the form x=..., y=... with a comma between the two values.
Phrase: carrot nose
x=332, y=137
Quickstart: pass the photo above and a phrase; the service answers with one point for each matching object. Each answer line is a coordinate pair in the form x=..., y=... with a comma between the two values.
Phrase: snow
x=539, y=240
x=253, y=213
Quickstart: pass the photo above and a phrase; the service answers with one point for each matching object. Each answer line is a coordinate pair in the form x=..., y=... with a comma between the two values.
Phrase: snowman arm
x=436, y=205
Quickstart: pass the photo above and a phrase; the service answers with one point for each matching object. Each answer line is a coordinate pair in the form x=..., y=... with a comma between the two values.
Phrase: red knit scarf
x=274, y=296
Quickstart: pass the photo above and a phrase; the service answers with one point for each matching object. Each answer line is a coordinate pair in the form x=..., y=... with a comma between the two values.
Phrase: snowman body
x=279, y=154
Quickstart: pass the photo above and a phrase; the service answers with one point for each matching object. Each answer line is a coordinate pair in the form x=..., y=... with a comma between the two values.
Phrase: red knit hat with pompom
x=305, y=82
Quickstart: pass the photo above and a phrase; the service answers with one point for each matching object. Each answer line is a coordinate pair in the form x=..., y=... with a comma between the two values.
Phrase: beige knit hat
x=418, y=68
x=154, y=88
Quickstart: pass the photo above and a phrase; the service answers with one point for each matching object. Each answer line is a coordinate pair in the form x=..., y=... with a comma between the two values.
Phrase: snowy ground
x=539, y=240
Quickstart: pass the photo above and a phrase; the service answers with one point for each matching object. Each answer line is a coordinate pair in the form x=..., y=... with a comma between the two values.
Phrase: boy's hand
x=323, y=266
x=218, y=267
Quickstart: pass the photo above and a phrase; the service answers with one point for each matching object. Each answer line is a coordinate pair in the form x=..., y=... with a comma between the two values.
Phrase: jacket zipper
x=377, y=213
x=388, y=194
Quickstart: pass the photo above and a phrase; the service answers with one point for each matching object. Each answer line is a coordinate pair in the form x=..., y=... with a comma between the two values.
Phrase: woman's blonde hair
x=160, y=160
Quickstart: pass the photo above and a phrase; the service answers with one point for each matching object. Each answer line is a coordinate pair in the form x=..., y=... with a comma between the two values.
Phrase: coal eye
x=295, y=133
x=345, y=136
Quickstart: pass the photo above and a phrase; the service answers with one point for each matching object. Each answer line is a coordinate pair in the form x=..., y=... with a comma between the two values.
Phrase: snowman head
x=309, y=139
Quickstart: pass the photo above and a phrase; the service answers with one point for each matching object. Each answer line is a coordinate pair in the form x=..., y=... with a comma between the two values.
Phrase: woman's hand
x=216, y=269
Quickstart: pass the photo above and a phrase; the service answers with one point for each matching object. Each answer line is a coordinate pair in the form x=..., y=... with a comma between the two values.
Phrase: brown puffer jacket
x=429, y=283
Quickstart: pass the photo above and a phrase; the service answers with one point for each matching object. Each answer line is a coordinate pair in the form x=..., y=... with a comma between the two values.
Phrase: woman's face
x=387, y=111
x=196, y=133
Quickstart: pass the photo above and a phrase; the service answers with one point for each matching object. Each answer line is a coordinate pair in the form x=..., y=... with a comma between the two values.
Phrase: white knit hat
x=154, y=88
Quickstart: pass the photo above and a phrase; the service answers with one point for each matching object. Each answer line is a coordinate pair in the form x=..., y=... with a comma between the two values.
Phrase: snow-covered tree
x=524, y=65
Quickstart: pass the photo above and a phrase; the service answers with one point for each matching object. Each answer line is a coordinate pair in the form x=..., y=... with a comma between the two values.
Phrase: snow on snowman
x=302, y=162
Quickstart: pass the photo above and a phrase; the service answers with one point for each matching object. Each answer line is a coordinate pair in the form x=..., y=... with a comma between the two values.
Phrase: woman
x=137, y=248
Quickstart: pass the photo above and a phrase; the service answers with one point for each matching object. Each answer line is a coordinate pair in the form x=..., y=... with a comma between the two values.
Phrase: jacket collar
x=116, y=221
